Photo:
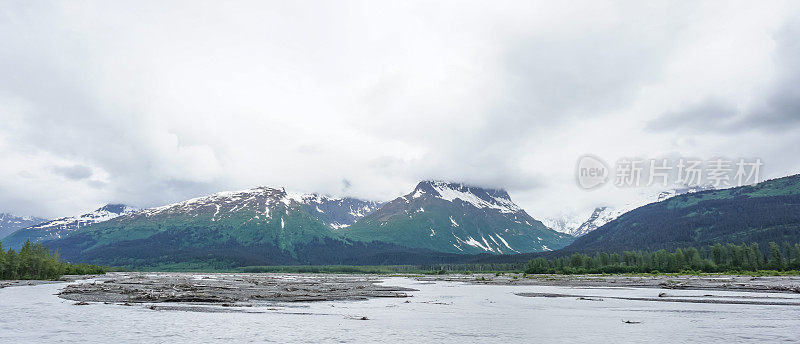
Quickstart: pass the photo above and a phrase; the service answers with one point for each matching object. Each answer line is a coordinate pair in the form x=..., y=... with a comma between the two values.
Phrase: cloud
x=775, y=107
x=161, y=102
x=75, y=172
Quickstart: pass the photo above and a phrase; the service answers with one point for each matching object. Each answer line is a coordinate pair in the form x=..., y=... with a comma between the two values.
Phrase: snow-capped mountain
x=271, y=226
x=336, y=212
x=580, y=224
x=457, y=218
x=263, y=201
x=60, y=227
x=10, y=223
x=72, y=223
x=474, y=196
x=261, y=225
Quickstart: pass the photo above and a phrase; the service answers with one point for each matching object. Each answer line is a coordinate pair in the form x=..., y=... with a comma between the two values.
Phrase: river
x=450, y=312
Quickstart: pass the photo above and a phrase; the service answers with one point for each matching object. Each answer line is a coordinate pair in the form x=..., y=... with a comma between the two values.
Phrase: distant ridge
x=60, y=227
x=764, y=212
x=10, y=223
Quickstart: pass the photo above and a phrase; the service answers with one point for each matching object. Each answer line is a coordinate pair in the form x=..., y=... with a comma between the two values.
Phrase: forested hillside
x=761, y=213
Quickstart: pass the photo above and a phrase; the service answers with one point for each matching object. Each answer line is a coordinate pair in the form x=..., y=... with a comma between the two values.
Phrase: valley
x=399, y=172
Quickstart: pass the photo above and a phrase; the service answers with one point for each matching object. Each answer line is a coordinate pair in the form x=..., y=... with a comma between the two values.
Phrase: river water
x=450, y=312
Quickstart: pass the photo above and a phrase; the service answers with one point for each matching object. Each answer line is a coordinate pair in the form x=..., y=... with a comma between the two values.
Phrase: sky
x=153, y=102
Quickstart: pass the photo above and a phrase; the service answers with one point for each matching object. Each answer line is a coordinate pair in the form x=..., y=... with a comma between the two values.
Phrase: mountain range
x=240, y=226
x=436, y=222
x=580, y=224
x=270, y=226
x=49, y=230
x=10, y=223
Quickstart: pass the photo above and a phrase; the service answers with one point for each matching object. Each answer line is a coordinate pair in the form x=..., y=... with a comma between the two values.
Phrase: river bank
x=789, y=284
x=21, y=283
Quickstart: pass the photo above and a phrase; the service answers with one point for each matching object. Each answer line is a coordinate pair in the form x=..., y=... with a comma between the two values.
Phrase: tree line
x=715, y=258
x=35, y=261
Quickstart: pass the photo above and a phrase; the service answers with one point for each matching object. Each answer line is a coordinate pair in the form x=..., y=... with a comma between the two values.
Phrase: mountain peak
x=464, y=187
x=62, y=226
x=457, y=218
x=116, y=208
x=265, y=201
x=580, y=224
x=476, y=196
x=10, y=223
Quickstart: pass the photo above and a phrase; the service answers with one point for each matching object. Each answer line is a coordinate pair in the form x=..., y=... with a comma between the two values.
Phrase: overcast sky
x=152, y=102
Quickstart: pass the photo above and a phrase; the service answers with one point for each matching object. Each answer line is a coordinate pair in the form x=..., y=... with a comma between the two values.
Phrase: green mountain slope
x=455, y=218
x=439, y=222
x=61, y=227
x=768, y=211
x=263, y=218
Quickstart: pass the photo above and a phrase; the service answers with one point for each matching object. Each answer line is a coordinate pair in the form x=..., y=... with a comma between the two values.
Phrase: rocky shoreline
x=23, y=283
x=20, y=283
x=789, y=284
x=665, y=297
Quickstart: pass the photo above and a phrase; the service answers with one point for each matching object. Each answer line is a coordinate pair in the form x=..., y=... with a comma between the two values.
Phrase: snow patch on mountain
x=72, y=223
x=475, y=243
x=11, y=223
x=456, y=218
x=335, y=212
x=582, y=223
x=505, y=242
x=476, y=197
x=222, y=202
x=62, y=226
x=453, y=222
